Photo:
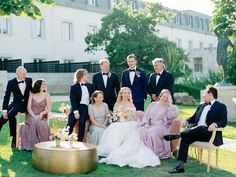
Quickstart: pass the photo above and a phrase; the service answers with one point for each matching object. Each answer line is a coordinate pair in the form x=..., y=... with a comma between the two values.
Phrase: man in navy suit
x=80, y=94
x=135, y=78
x=159, y=80
x=20, y=87
x=208, y=116
x=107, y=82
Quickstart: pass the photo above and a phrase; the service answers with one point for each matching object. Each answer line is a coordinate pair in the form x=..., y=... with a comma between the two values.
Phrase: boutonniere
x=109, y=74
x=137, y=73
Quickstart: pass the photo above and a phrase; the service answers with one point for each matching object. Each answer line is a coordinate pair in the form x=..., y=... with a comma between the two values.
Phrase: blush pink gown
x=159, y=117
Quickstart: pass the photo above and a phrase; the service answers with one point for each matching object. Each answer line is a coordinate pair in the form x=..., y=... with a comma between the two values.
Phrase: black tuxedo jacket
x=166, y=81
x=76, y=94
x=111, y=90
x=217, y=114
x=12, y=87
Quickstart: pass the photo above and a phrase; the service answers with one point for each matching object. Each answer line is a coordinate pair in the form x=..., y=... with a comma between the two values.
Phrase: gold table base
x=80, y=158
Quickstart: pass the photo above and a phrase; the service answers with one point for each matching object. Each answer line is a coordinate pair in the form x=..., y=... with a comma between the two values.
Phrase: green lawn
x=19, y=163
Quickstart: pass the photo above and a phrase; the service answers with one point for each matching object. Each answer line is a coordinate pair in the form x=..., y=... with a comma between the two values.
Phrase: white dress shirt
x=158, y=77
x=84, y=96
x=22, y=87
x=105, y=77
x=202, y=119
x=132, y=75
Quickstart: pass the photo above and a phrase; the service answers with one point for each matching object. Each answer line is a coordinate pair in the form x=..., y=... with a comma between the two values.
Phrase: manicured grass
x=19, y=163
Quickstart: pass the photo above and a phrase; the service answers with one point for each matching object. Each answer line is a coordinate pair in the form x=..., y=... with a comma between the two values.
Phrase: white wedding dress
x=120, y=145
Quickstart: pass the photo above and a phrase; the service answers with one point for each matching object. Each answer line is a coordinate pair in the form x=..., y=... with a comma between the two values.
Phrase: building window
x=179, y=43
x=38, y=28
x=190, y=21
x=4, y=26
x=201, y=45
x=67, y=31
x=201, y=26
x=190, y=45
x=178, y=18
x=92, y=29
x=134, y=5
x=197, y=64
x=207, y=24
x=92, y=2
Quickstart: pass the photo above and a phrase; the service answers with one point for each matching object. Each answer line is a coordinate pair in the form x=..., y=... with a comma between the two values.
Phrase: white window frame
x=92, y=2
x=92, y=28
x=190, y=45
x=201, y=45
x=70, y=30
x=133, y=5
x=38, y=24
x=178, y=18
x=198, y=65
x=190, y=21
x=179, y=43
x=5, y=26
x=201, y=24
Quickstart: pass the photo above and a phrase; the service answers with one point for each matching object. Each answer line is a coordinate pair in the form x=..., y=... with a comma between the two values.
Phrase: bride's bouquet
x=120, y=114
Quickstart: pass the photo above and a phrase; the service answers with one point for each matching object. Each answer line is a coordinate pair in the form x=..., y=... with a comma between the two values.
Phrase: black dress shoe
x=170, y=137
x=177, y=169
x=13, y=145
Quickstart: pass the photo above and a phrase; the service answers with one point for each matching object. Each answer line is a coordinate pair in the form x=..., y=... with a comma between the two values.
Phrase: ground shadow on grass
x=20, y=165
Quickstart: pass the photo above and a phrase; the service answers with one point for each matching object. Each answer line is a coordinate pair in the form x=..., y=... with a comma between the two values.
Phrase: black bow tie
x=158, y=74
x=83, y=84
x=19, y=82
x=209, y=103
x=131, y=70
x=105, y=74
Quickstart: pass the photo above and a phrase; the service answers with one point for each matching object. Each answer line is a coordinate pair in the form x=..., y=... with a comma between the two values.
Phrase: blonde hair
x=94, y=95
x=166, y=91
x=79, y=74
x=105, y=60
x=119, y=97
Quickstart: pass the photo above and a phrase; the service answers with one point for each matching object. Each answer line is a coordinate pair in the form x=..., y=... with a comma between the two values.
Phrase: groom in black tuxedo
x=159, y=80
x=107, y=82
x=80, y=94
x=20, y=87
x=135, y=78
x=208, y=116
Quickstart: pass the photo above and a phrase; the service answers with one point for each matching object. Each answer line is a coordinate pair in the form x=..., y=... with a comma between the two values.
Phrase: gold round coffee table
x=80, y=158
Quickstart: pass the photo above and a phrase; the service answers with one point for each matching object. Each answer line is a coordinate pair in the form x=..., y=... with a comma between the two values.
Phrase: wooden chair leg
x=200, y=156
x=17, y=130
x=209, y=161
x=18, y=140
x=217, y=157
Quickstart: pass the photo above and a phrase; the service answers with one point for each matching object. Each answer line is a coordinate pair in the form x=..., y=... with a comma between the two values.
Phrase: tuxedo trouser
x=139, y=105
x=189, y=136
x=83, y=112
x=110, y=102
x=12, y=111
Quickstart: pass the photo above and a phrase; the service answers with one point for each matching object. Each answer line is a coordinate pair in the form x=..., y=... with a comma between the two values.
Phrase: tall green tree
x=23, y=7
x=225, y=13
x=125, y=31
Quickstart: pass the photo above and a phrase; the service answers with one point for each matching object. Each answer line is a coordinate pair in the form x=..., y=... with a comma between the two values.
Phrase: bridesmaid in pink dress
x=157, y=122
x=35, y=128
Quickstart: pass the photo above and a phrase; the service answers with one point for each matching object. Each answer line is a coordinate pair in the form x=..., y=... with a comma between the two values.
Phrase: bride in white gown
x=120, y=143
